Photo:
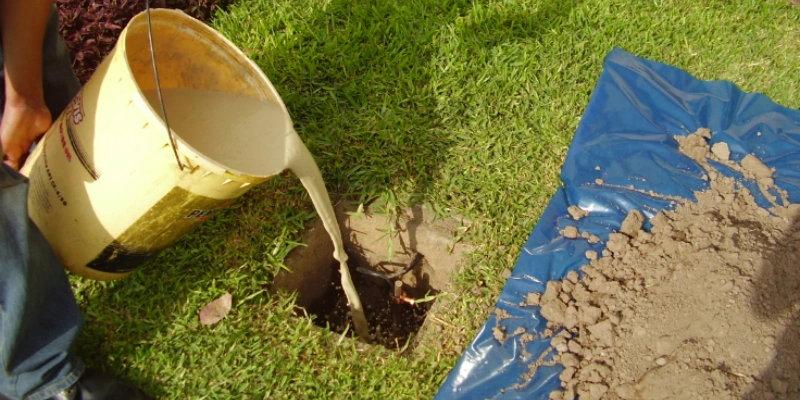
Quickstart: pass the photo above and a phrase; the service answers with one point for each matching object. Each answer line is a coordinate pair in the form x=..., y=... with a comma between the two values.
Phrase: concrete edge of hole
x=365, y=235
x=310, y=266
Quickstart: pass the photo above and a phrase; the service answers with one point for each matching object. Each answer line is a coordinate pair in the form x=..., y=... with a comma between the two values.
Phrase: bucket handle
x=158, y=87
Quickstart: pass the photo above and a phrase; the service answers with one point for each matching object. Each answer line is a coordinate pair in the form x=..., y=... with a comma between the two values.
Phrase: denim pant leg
x=39, y=319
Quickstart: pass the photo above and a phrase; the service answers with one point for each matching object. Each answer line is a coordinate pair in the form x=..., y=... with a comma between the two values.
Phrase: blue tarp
x=627, y=131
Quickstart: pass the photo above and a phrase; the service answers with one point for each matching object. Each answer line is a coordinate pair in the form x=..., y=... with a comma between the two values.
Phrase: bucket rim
x=153, y=116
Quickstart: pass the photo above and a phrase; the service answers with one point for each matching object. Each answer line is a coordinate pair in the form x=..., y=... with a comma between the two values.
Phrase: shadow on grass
x=369, y=86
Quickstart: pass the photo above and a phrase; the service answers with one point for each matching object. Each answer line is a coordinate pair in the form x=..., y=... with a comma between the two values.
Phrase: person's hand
x=23, y=122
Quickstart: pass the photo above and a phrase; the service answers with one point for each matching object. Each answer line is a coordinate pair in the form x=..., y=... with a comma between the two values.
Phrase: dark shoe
x=97, y=385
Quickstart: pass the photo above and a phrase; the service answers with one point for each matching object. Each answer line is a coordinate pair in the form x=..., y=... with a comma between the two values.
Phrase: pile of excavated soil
x=704, y=305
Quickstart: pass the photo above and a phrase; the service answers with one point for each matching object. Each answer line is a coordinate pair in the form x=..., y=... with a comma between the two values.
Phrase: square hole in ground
x=396, y=292
x=394, y=309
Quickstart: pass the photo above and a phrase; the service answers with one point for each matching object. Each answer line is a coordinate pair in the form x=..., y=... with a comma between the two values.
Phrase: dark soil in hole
x=392, y=321
x=314, y=275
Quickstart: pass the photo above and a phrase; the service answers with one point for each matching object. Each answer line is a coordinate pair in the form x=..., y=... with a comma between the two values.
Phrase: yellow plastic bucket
x=106, y=189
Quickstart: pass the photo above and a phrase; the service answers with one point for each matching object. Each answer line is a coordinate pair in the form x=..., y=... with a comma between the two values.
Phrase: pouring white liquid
x=255, y=137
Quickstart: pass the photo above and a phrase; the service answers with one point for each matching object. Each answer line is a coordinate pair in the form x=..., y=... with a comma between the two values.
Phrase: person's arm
x=25, y=115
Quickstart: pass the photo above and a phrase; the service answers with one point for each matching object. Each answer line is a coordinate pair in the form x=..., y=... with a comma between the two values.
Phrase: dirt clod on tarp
x=577, y=212
x=704, y=305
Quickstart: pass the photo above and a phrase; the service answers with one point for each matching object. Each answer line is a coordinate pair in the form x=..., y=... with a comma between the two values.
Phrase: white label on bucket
x=163, y=224
x=49, y=174
x=63, y=140
x=37, y=194
x=77, y=108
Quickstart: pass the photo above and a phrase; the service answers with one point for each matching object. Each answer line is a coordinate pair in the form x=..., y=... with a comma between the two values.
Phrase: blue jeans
x=39, y=319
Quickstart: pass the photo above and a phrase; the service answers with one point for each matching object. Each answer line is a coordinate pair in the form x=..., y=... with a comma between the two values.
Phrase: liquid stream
x=255, y=137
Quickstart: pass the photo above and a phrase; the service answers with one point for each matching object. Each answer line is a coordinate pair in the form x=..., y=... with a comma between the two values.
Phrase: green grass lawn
x=469, y=106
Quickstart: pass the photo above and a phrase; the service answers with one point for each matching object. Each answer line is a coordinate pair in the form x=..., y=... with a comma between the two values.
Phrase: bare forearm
x=23, y=25
x=25, y=115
